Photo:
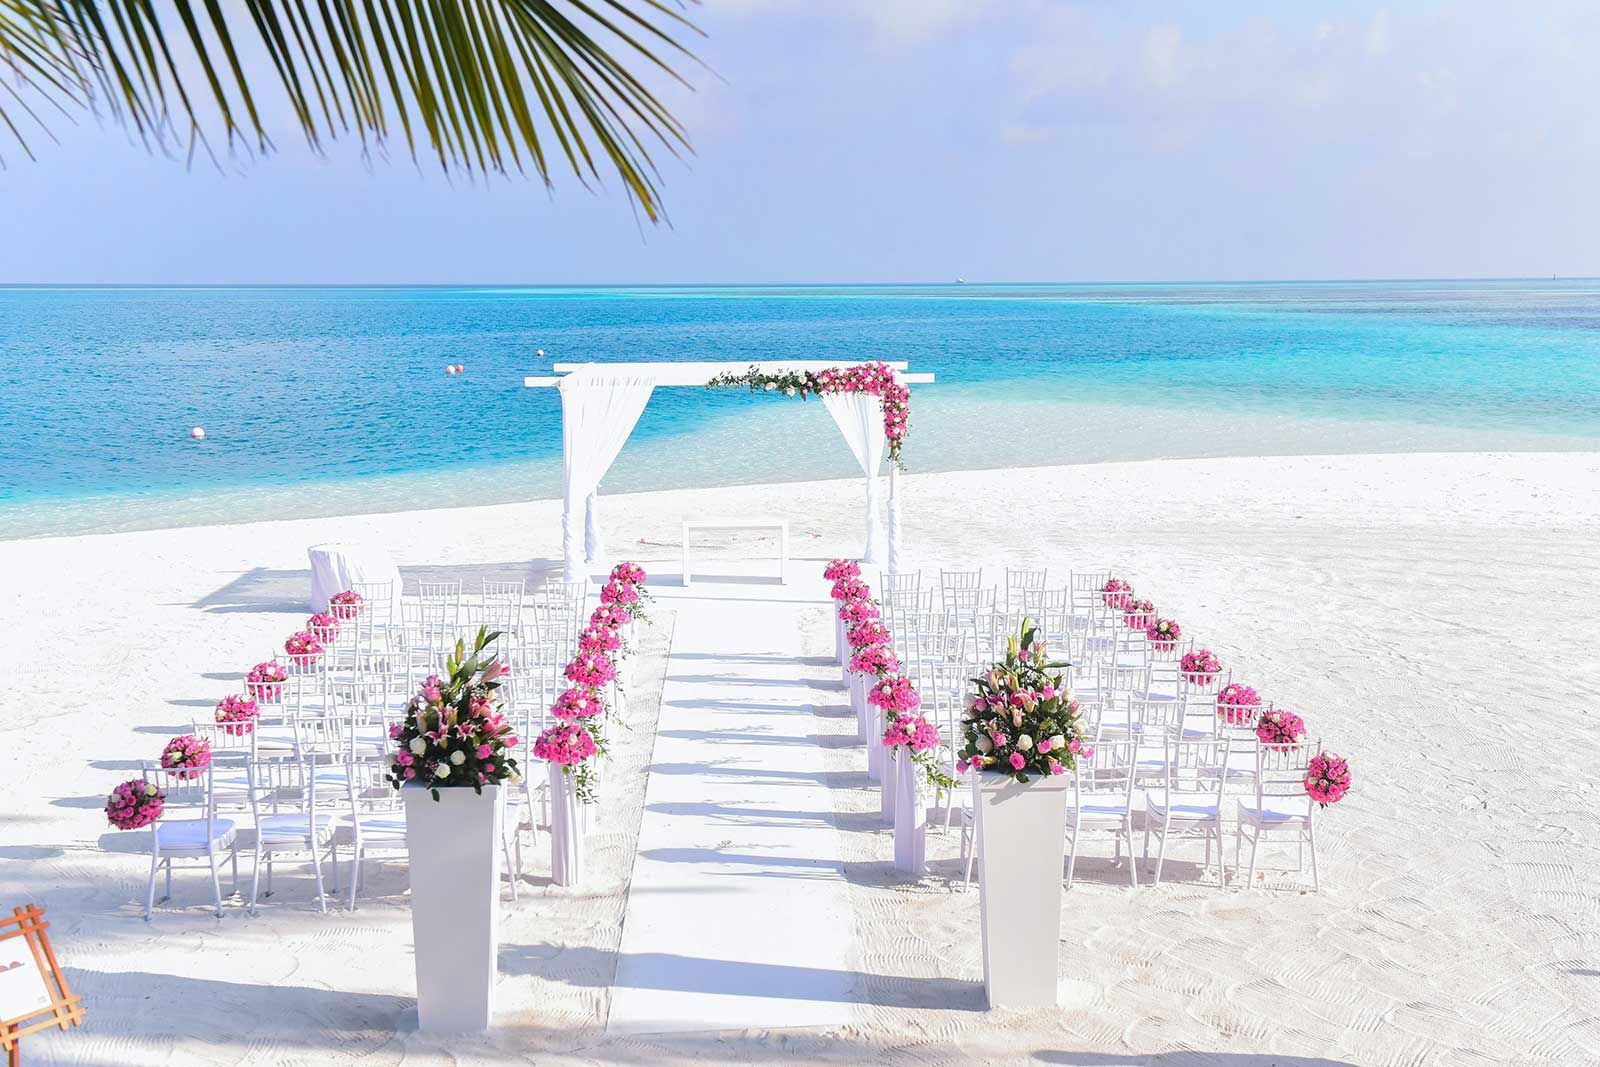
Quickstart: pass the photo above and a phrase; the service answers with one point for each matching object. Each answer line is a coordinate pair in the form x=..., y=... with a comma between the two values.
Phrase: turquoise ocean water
x=332, y=400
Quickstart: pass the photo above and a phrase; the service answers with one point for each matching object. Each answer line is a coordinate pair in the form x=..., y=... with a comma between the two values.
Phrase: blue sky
x=919, y=140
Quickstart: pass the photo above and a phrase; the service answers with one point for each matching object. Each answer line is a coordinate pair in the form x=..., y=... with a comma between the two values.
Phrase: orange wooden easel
x=65, y=1010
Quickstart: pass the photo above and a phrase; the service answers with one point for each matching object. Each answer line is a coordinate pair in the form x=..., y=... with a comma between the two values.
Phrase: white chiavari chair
x=1280, y=805
x=1102, y=800
x=291, y=817
x=376, y=820
x=1187, y=799
x=1024, y=588
x=204, y=835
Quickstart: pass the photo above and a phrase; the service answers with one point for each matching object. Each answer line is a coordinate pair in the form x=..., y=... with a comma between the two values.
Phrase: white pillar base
x=910, y=818
x=888, y=788
x=1021, y=832
x=566, y=828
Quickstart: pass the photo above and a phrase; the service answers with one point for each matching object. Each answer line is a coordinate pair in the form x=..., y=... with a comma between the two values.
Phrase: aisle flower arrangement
x=237, y=715
x=602, y=639
x=875, y=659
x=569, y=746
x=1116, y=593
x=1200, y=668
x=324, y=626
x=895, y=695
x=1163, y=634
x=1327, y=778
x=265, y=681
x=592, y=669
x=187, y=756
x=577, y=703
x=453, y=733
x=874, y=379
x=919, y=740
x=870, y=632
x=1022, y=720
x=1277, y=726
x=858, y=610
x=841, y=568
x=625, y=590
x=1138, y=614
x=849, y=587
x=134, y=804
x=346, y=605
x=1238, y=705
x=303, y=648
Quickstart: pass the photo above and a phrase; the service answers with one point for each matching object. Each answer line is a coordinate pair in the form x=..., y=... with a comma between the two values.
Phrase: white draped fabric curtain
x=859, y=417
x=598, y=412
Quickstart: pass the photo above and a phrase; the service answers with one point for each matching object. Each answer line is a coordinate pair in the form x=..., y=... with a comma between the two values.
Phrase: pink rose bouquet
x=841, y=568
x=1279, y=727
x=346, y=605
x=1022, y=720
x=1138, y=614
x=303, y=648
x=134, y=804
x=577, y=703
x=237, y=715
x=849, y=588
x=265, y=681
x=187, y=756
x=628, y=572
x=911, y=731
x=894, y=695
x=610, y=616
x=858, y=610
x=324, y=626
x=454, y=733
x=1327, y=778
x=1200, y=668
x=615, y=592
x=1238, y=705
x=868, y=632
x=565, y=744
x=599, y=639
x=1163, y=634
x=875, y=659
x=591, y=669
x=1116, y=593
x=873, y=379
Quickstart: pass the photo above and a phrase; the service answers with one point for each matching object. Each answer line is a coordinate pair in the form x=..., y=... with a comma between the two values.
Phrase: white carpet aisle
x=738, y=916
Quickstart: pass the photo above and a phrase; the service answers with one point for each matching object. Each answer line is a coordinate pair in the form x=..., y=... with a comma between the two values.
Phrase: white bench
x=693, y=526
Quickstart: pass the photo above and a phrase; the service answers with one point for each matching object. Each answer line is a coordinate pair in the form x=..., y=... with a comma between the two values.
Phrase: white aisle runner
x=738, y=914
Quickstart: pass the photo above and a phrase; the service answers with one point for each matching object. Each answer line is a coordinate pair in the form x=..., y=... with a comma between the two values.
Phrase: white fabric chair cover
x=337, y=567
x=598, y=412
x=859, y=417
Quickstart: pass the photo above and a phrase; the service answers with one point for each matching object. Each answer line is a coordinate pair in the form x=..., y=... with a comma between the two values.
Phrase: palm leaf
x=480, y=85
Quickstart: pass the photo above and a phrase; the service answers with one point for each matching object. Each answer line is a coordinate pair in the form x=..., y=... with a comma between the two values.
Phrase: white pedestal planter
x=874, y=740
x=858, y=702
x=910, y=817
x=888, y=789
x=1021, y=830
x=454, y=846
x=566, y=828
x=841, y=644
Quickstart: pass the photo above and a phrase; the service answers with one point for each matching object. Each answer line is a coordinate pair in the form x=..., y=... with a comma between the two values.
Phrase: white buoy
x=540, y=353
x=450, y=369
x=198, y=433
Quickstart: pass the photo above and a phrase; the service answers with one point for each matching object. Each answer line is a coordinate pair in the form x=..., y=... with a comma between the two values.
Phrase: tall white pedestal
x=454, y=847
x=566, y=828
x=910, y=816
x=889, y=772
x=1021, y=832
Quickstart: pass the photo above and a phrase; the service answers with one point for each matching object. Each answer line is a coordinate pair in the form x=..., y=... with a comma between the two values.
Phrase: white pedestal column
x=910, y=817
x=874, y=736
x=858, y=702
x=454, y=847
x=841, y=644
x=888, y=787
x=566, y=828
x=1020, y=840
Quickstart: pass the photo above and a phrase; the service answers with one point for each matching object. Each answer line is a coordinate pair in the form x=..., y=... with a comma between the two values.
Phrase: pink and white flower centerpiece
x=875, y=659
x=874, y=379
x=1116, y=593
x=187, y=756
x=324, y=626
x=1278, y=726
x=1327, y=778
x=265, y=681
x=1238, y=705
x=134, y=804
x=841, y=568
x=1200, y=668
x=237, y=715
x=1163, y=635
x=1138, y=614
x=303, y=648
x=913, y=745
x=452, y=756
x=1021, y=733
x=347, y=604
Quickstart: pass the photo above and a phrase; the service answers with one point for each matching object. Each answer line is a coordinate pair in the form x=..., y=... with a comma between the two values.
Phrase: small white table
x=337, y=567
x=781, y=526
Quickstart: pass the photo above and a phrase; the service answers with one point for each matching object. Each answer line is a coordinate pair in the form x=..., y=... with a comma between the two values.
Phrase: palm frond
x=481, y=85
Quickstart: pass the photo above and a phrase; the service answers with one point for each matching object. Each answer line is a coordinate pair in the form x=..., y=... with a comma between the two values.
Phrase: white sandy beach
x=1427, y=614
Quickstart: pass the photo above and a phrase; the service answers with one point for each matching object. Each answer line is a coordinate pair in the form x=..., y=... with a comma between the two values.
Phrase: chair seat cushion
x=292, y=828
x=1108, y=812
x=376, y=824
x=189, y=835
x=1249, y=813
x=1185, y=810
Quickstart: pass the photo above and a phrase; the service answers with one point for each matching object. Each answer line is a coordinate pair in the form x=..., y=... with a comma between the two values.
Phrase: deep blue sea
x=335, y=400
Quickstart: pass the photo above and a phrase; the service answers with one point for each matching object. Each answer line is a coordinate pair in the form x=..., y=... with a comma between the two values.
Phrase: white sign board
x=22, y=987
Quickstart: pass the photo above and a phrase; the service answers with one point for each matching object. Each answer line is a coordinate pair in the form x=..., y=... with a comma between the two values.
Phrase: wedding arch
x=601, y=403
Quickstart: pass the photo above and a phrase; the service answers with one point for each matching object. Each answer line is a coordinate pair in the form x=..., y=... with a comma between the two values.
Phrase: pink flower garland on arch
x=874, y=379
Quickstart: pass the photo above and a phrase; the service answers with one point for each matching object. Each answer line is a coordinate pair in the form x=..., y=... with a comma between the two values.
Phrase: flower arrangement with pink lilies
x=453, y=733
x=1022, y=720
